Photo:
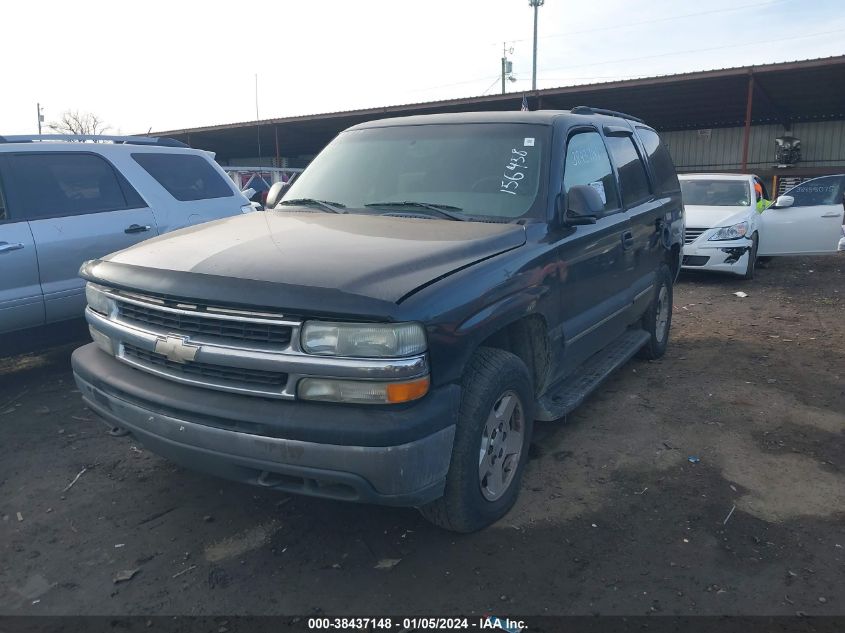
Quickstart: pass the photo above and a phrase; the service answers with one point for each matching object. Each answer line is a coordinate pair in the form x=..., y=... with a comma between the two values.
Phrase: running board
x=568, y=394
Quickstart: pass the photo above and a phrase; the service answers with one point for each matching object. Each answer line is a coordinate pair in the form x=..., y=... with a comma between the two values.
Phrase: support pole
x=534, y=63
x=746, y=136
x=504, y=66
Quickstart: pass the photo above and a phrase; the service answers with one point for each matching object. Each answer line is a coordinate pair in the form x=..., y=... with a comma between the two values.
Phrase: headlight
x=362, y=392
x=730, y=232
x=97, y=300
x=363, y=340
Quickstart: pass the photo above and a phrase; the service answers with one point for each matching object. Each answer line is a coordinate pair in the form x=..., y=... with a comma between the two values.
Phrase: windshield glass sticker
x=598, y=185
x=529, y=142
x=514, y=171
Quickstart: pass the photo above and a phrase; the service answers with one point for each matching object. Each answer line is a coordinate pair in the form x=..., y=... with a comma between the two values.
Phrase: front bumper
x=391, y=456
x=727, y=256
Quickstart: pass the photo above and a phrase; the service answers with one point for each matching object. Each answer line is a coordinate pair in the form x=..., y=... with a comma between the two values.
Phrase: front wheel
x=493, y=433
x=752, y=258
x=658, y=318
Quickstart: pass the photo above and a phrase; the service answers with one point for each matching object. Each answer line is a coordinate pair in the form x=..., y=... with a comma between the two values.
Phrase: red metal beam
x=746, y=134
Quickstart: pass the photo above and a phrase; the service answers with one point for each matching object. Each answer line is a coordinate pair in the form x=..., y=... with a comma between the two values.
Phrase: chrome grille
x=200, y=322
x=690, y=235
x=205, y=372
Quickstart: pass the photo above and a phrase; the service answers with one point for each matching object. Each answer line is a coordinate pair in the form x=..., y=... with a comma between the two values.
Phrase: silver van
x=68, y=199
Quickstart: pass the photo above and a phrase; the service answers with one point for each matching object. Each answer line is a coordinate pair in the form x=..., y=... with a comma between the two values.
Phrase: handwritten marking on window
x=514, y=171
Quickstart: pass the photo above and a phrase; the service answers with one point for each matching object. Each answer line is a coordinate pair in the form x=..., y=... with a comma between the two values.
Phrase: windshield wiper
x=331, y=207
x=441, y=209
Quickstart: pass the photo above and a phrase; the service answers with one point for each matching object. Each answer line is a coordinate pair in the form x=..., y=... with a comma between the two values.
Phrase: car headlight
x=363, y=340
x=730, y=232
x=97, y=299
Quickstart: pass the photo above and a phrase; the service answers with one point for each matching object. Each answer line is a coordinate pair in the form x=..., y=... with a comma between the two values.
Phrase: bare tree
x=81, y=123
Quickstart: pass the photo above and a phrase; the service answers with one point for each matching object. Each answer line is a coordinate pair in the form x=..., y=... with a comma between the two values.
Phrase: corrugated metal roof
x=696, y=74
x=785, y=92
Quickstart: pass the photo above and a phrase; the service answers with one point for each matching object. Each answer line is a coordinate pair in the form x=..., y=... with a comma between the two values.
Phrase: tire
x=492, y=381
x=657, y=320
x=752, y=258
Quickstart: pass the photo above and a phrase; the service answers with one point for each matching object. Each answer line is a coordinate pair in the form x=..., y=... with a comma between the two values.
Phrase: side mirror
x=248, y=193
x=783, y=202
x=274, y=195
x=583, y=204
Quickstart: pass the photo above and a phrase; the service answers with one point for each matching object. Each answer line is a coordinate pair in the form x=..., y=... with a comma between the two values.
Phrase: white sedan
x=727, y=229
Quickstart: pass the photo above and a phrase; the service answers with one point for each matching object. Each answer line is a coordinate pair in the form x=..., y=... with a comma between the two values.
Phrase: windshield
x=716, y=193
x=483, y=170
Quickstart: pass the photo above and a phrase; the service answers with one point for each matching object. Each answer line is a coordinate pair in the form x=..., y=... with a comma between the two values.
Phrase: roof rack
x=127, y=140
x=591, y=110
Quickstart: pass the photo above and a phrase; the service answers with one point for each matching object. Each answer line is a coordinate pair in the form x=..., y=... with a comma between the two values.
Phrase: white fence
x=243, y=177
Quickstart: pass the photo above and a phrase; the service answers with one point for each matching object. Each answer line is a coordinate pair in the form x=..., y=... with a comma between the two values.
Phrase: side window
x=54, y=185
x=185, y=176
x=818, y=191
x=587, y=163
x=4, y=214
x=632, y=176
x=662, y=167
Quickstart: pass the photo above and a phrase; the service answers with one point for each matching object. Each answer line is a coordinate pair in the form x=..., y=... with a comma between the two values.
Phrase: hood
x=707, y=217
x=376, y=257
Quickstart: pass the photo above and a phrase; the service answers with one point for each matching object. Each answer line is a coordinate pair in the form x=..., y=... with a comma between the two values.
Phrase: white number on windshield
x=514, y=171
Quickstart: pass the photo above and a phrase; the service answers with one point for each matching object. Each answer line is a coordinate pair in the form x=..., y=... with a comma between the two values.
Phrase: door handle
x=627, y=240
x=6, y=247
x=835, y=214
x=137, y=228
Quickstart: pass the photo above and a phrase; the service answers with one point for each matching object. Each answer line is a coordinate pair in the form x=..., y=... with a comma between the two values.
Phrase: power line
x=695, y=50
x=457, y=83
x=656, y=20
x=487, y=89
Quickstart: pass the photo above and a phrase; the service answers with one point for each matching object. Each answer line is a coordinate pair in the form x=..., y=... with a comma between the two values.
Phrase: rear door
x=653, y=228
x=593, y=281
x=78, y=207
x=811, y=225
x=643, y=245
x=21, y=302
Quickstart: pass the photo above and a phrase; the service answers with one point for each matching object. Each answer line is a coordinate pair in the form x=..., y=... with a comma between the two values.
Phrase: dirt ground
x=614, y=516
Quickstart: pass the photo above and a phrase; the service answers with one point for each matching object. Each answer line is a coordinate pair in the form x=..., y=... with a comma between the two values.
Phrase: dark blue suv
x=389, y=330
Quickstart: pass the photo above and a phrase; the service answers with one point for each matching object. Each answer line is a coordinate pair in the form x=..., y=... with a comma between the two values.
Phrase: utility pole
x=507, y=66
x=40, y=118
x=536, y=4
x=257, y=120
x=504, y=63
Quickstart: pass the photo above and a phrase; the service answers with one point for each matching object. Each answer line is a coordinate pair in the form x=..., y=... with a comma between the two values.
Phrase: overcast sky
x=177, y=64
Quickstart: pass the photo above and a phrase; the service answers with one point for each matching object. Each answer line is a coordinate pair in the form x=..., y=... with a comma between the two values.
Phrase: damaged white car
x=729, y=222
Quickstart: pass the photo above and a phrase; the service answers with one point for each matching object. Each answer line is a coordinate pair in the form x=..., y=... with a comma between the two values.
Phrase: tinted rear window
x=185, y=176
x=662, y=167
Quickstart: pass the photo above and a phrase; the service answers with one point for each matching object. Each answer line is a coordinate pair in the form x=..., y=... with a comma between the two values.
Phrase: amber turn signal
x=406, y=391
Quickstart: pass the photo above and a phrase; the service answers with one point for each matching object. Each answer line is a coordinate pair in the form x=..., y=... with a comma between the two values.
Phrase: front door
x=78, y=208
x=811, y=225
x=593, y=283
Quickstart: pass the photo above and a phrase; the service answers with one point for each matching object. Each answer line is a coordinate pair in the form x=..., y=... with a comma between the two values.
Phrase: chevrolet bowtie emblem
x=176, y=348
